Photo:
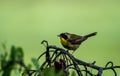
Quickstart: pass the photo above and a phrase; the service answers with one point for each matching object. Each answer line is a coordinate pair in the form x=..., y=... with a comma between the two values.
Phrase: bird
x=73, y=41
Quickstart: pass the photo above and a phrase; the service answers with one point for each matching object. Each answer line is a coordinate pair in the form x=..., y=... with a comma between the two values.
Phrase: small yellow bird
x=73, y=41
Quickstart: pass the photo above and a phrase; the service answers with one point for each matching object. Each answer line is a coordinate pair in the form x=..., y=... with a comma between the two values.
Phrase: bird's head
x=64, y=35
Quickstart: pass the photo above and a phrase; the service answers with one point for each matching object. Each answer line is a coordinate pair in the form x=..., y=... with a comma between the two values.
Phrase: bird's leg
x=67, y=50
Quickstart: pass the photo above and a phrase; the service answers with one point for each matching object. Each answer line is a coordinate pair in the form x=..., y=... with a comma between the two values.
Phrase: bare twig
x=76, y=62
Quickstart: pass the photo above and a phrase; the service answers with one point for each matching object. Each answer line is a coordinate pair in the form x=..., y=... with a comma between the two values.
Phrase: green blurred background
x=26, y=23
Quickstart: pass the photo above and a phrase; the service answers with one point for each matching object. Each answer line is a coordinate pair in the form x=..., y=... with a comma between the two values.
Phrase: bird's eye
x=64, y=35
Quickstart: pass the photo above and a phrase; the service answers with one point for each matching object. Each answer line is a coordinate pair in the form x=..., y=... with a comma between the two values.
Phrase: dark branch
x=75, y=62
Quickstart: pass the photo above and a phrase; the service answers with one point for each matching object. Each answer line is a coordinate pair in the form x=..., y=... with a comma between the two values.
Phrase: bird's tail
x=91, y=34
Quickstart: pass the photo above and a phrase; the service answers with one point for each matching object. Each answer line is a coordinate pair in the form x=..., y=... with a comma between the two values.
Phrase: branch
x=57, y=52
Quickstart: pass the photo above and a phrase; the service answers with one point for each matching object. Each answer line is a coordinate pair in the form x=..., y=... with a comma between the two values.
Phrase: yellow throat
x=63, y=41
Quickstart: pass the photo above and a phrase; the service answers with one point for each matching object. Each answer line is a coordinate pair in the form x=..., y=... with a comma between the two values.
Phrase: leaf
x=13, y=53
x=73, y=73
x=20, y=54
x=34, y=61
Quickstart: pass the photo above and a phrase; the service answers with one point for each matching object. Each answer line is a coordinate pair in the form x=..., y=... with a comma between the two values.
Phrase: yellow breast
x=64, y=42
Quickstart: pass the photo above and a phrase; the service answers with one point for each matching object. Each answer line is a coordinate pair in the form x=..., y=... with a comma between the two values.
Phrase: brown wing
x=75, y=39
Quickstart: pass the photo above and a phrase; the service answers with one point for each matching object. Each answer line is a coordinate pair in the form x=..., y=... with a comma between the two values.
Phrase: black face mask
x=64, y=36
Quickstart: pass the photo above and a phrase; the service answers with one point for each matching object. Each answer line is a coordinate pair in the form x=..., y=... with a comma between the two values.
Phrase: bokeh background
x=26, y=23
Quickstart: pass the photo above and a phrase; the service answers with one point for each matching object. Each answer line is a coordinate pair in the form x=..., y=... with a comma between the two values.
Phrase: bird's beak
x=58, y=35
